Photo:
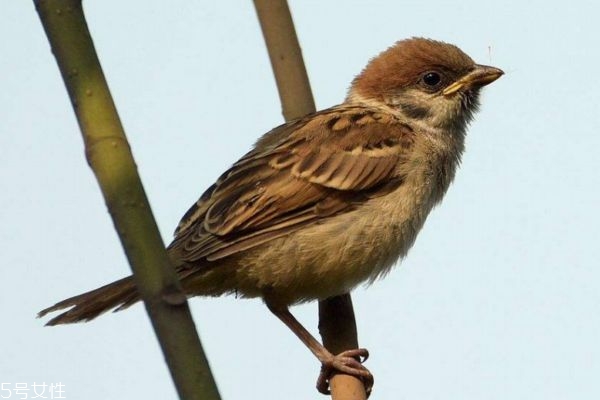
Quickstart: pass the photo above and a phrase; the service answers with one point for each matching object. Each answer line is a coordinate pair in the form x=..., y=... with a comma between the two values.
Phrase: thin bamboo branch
x=336, y=315
x=286, y=58
x=109, y=155
x=337, y=327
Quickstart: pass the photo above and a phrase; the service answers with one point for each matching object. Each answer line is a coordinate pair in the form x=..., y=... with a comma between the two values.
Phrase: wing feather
x=299, y=174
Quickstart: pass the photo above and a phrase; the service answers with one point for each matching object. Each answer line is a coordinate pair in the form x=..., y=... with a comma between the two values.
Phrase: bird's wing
x=298, y=174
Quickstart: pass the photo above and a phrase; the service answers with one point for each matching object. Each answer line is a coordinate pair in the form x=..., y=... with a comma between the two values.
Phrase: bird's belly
x=333, y=257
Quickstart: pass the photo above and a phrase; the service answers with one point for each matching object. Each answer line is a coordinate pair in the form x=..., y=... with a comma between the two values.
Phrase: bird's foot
x=348, y=362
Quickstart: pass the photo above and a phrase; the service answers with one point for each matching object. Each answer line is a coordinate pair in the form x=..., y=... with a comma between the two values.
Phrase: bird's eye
x=431, y=79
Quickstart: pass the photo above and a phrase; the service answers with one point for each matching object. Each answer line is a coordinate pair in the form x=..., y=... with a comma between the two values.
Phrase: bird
x=326, y=202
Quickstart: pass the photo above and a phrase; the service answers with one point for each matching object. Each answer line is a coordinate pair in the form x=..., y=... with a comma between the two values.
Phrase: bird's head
x=426, y=80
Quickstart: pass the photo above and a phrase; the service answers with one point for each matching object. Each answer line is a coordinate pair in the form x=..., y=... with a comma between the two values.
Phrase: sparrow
x=326, y=202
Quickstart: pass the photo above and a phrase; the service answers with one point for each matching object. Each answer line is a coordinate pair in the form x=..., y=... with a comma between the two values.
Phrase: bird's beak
x=480, y=76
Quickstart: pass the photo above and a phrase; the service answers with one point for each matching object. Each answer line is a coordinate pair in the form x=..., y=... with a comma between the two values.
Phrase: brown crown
x=404, y=63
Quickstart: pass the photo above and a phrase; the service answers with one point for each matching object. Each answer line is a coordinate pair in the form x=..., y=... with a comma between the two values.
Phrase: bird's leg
x=347, y=362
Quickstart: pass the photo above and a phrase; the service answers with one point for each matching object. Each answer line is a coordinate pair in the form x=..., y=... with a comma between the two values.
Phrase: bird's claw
x=348, y=362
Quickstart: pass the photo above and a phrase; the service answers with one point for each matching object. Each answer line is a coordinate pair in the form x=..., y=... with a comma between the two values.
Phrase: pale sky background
x=499, y=298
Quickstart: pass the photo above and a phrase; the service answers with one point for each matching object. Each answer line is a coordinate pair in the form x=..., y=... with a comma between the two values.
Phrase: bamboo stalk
x=337, y=325
x=286, y=58
x=109, y=155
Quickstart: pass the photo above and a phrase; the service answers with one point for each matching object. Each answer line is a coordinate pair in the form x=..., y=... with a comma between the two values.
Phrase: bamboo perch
x=109, y=155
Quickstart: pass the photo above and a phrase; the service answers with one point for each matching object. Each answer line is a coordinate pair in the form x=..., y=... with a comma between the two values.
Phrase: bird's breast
x=343, y=251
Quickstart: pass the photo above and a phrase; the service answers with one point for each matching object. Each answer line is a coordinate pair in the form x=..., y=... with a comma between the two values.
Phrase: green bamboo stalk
x=337, y=324
x=109, y=155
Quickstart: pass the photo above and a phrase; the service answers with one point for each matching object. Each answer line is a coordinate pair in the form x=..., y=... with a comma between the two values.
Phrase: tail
x=87, y=306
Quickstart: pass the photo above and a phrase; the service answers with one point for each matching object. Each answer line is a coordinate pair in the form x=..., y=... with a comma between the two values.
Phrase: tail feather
x=87, y=306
